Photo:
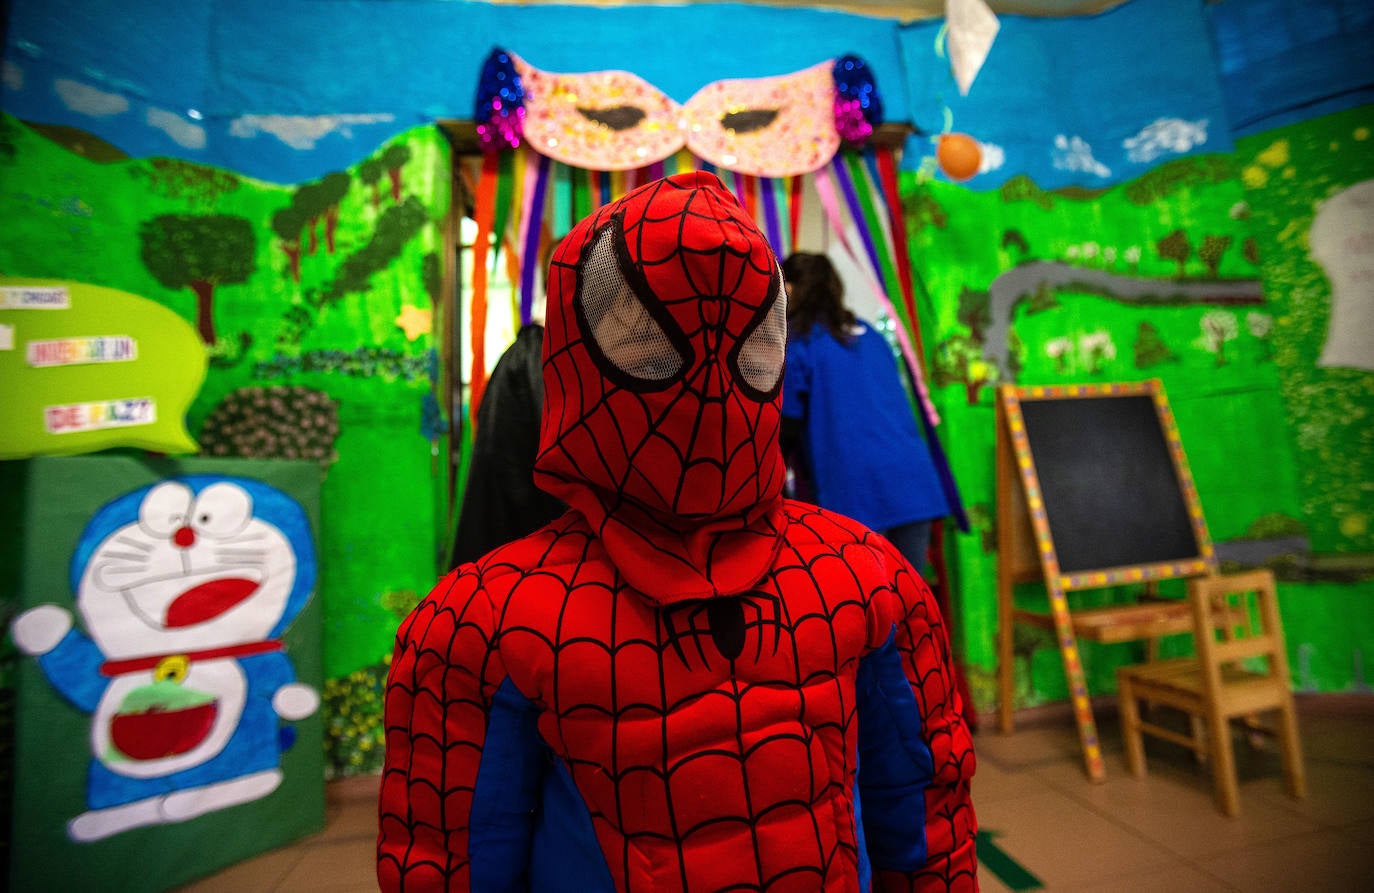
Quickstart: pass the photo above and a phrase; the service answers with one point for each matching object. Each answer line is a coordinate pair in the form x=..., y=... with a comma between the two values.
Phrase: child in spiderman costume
x=686, y=682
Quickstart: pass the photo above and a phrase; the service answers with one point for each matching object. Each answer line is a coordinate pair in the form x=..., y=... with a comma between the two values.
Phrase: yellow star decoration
x=415, y=322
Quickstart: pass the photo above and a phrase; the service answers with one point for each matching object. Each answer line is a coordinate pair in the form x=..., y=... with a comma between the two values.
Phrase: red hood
x=665, y=436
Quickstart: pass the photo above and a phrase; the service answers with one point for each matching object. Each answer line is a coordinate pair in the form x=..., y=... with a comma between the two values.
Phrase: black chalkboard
x=1108, y=478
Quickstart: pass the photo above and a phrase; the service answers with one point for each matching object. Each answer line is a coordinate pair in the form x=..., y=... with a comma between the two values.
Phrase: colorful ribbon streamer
x=830, y=203
x=772, y=227
x=485, y=213
x=887, y=175
x=531, y=226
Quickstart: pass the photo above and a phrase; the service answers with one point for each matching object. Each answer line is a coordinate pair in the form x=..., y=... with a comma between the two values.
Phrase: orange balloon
x=959, y=155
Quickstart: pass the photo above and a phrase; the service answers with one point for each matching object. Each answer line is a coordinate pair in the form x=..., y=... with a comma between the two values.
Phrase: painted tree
x=922, y=210
x=397, y=226
x=1175, y=247
x=1218, y=327
x=309, y=200
x=1061, y=351
x=288, y=224
x=975, y=311
x=1012, y=236
x=1149, y=347
x=319, y=202
x=394, y=160
x=1016, y=355
x=199, y=252
x=1212, y=250
x=332, y=190
x=1260, y=325
x=1096, y=349
x=959, y=360
x=370, y=174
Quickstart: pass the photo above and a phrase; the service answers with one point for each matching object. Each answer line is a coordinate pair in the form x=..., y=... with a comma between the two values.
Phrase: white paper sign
x=72, y=417
x=24, y=297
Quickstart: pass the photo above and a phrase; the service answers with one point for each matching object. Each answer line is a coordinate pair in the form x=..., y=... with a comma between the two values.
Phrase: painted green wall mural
x=318, y=305
x=1198, y=274
x=1292, y=175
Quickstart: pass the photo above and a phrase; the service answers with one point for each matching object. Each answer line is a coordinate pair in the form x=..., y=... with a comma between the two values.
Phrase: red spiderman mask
x=663, y=357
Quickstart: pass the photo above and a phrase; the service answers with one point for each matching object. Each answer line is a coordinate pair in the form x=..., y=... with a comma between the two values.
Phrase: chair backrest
x=1237, y=629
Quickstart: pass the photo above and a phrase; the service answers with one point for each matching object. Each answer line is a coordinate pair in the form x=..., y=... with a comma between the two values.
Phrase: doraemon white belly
x=155, y=722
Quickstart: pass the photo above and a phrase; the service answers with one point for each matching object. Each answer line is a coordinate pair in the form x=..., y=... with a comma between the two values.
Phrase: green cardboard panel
x=168, y=672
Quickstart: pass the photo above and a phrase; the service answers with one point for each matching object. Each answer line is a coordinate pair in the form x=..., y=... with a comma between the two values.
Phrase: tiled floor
x=1044, y=822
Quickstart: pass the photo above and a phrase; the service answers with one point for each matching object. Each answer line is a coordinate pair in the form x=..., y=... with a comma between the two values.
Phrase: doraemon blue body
x=184, y=588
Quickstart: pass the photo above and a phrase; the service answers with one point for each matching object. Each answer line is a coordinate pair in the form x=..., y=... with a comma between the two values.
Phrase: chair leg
x=1199, y=739
x=1006, y=667
x=1294, y=776
x=1223, y=763
x=1130, y=726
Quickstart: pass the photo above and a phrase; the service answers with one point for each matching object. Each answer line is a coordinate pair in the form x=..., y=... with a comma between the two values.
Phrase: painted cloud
x=190, y=136
x=993, y=157
x=299, y=131
x=88, y=100
x=1165, y=135
x=1074, y=154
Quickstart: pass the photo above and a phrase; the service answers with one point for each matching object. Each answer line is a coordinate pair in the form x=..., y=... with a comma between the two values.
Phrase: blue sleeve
x=506, y=796
x=268, y=673
x=895, y=765
x=73, y=668
x=796, y=384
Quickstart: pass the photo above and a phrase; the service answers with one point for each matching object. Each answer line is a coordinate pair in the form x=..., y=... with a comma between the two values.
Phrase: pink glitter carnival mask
x=615, y=120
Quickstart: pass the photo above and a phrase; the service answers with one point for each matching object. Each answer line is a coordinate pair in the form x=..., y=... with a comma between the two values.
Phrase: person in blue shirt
x=848, y=425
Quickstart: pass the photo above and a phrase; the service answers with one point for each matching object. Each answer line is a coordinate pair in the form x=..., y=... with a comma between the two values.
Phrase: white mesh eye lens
x=760, y=357
x=622, y=327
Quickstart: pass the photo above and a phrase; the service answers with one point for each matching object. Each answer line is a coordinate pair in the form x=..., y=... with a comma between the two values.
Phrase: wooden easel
x=1028, y=516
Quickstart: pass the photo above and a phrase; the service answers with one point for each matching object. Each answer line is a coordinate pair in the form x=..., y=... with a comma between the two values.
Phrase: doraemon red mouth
x=157, y=733
x=208, y=601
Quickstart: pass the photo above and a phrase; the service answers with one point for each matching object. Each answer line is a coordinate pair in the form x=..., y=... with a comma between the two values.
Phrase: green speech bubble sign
x=87, y=368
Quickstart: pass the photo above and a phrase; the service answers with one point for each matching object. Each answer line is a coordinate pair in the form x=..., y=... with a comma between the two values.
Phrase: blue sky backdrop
x=1087, y=101
x=289, y=90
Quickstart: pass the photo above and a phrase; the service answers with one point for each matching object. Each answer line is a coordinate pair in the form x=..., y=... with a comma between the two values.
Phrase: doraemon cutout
x=183, y=589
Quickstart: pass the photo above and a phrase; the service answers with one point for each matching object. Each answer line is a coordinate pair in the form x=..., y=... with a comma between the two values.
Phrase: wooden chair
x=1240, y=671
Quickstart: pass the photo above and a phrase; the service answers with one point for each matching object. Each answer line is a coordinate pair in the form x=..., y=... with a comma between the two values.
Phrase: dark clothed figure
x=501, y=502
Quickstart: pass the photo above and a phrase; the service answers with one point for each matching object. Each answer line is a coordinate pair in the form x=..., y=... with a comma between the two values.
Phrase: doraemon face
x=195, y=567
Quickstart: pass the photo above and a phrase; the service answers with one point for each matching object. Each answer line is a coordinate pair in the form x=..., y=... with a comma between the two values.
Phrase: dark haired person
x=847, y=414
